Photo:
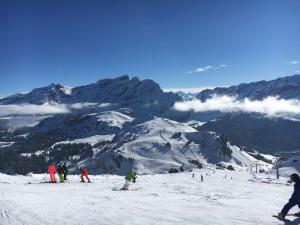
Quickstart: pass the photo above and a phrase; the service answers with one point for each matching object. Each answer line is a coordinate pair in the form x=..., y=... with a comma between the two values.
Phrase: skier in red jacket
x=51, y=171
x=84, y=174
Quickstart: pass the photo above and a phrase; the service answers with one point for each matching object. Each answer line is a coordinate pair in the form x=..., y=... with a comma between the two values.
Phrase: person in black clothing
x=295, y=198
x=60, y=173
x=65, y=171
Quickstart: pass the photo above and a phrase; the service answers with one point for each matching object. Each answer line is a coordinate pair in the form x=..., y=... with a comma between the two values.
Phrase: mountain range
x=118, y=124
x=284, y=87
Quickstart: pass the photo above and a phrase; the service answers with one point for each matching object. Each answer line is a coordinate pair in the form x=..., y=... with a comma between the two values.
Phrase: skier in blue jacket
x=295, y=198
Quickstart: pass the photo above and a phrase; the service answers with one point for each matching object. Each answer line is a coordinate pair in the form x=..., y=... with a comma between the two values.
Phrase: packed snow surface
x=167, y=199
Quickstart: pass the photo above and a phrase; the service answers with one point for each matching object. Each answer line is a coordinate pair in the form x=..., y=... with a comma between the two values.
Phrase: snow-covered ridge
x=114, y=118
x=89, y=140
x=167, y=125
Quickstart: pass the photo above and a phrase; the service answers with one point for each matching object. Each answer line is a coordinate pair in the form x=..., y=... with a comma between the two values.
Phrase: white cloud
x=207, y=68
x=293, y=62
x=83, y=105
x=191, y=90
x=202, y=69
x=199, y=70
x=271, y=106
x=46, y=109
x=28, y=109
x=88, y=105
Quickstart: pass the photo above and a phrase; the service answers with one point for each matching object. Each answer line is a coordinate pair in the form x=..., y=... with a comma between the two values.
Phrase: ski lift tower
x=255, y=165
x=282, y=156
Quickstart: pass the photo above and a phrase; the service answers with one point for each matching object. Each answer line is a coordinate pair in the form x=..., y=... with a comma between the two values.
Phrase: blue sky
x=176, y=43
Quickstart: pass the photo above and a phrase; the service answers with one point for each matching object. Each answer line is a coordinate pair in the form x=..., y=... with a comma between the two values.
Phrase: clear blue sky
x=79, y=42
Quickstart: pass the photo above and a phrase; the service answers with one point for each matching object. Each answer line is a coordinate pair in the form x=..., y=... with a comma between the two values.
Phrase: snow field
x=155, y=199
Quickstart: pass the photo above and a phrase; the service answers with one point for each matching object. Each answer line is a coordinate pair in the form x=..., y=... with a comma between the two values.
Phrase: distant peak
x=123, y=77
x=67, y=90
x=53, y=85
x=108, y=80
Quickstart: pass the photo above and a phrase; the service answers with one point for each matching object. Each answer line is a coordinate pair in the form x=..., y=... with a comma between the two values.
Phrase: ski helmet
x=295, y=177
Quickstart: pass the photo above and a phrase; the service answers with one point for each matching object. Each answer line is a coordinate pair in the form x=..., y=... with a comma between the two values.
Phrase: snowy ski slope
x=155, y=199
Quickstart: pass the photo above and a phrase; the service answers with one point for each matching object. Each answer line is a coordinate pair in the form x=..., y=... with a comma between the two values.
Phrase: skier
x=130, y=177
x=51, y=171
x=65, y=171
x=295, y=198
x=60, y=173
x=84, y=174
x=201, y=178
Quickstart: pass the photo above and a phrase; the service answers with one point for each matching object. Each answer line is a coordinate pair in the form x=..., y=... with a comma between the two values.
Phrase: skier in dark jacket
x=60, y=173
x=295, y=198
x=65, y=171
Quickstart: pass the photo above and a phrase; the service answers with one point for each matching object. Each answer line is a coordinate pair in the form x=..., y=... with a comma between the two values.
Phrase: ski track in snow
x=155, y=199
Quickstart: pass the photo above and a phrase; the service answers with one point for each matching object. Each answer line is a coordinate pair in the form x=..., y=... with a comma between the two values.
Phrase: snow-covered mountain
x=122, y=90
x=285, y=87
x=117, y=124
x=117, y=143
x=142, y=98
x=54, y=93
x=159, y=145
